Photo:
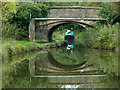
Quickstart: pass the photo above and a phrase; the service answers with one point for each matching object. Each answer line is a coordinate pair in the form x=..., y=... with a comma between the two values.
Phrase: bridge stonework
x=73, y=12
x=55, y=15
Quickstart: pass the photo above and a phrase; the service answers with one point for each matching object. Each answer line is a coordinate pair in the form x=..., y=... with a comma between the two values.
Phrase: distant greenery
x=58, y=35
x=91, y=4
x=59, y=32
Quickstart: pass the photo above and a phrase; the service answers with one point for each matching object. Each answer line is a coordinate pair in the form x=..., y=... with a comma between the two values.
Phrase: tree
x=8, y=10
x=22, y=16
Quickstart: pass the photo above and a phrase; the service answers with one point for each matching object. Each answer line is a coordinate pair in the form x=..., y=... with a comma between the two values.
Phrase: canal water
x=61, y=68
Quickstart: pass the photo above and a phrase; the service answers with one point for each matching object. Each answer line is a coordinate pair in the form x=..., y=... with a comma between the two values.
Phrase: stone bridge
x=60, y=15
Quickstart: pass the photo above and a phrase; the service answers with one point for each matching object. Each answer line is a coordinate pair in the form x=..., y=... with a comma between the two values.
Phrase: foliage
x=116, y=12
x=9, y=30
x=22, y=16
x=110, y=12
x=106, y=12
x=105, y=38
x=8, y=10
x=91, y=4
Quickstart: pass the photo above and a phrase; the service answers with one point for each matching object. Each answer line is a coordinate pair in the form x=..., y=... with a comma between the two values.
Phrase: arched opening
x=50, y=32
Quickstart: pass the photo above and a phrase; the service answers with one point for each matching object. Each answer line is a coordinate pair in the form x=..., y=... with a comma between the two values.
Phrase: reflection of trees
x=55, y=63
x=69, y=57
x=110, y=81
x=19, y=77
x=106, y=61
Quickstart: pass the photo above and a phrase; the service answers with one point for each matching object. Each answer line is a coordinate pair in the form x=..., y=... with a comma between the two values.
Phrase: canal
x=61, y=68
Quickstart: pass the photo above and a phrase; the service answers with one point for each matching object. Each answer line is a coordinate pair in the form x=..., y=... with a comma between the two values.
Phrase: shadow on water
x=61, y=68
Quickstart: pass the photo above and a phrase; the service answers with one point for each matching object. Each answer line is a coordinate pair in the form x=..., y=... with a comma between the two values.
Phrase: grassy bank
x=12, y=47
x=101, y=38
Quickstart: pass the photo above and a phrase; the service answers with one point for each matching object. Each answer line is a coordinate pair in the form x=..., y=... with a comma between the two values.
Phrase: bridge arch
x=59, y=23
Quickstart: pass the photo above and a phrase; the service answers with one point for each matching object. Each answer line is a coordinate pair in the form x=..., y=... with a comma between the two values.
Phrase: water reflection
x=83, y=71
x=58, y=68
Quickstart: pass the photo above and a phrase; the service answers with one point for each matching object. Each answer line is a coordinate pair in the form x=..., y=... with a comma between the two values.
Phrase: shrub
x=105, y=38
x=8, y=10
x=10, y=31
x=22, y=16
x=110, y=12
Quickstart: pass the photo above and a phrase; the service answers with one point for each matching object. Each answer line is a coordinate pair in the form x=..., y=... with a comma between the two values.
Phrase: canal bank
x=12, y=47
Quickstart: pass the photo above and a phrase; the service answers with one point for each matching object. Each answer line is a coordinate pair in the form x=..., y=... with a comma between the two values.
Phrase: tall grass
x=9, y=31
x=101, y=38
x=12, y=31
x=11, y=47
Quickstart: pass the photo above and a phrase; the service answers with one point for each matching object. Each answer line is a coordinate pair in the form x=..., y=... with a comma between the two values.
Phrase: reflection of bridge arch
x=59, y=65
x=46, y=62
